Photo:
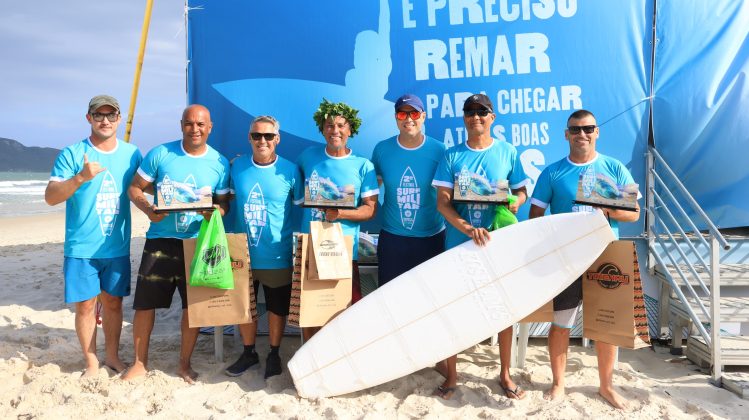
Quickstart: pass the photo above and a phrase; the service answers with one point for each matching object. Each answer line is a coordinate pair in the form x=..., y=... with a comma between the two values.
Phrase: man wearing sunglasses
x=92, y=176
x=556, y=189
x=193, y=165
x=413, y=231
x=265, y=186
x=493, y=161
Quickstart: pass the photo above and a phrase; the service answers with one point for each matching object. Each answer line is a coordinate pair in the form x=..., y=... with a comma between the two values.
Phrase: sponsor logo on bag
x=608, y=276
x=327, y=244
x=214, y=255
x=237, y=264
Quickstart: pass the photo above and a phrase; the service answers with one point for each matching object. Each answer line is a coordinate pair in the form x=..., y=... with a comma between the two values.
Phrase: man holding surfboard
x=91, y=177
x=556, y=189
x=478, y=165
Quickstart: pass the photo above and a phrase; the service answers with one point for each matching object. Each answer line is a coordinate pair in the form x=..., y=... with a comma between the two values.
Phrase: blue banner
x=700, y=108
x=537, y=60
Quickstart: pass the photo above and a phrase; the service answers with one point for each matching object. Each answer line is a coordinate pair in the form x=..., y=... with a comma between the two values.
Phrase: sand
x=41, y=364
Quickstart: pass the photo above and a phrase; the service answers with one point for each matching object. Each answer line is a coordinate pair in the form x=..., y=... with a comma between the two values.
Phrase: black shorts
x=162, y=270
x=570, y=297
x=276, y=298
x=397, y=254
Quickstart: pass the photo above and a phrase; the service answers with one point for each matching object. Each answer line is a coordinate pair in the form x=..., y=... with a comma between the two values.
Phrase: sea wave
x=28, y=190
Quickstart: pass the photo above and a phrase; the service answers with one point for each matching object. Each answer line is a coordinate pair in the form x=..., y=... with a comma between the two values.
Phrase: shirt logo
x=107, y=204
x=409, y=198
x=255, y=214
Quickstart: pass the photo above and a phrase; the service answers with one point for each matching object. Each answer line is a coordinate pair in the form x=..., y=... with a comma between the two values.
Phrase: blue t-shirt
x=263, y=199
x=557, y=185
x=209, y=170
x=97, y=215
x=410, y=206
x=500, y=161
x=349, y=172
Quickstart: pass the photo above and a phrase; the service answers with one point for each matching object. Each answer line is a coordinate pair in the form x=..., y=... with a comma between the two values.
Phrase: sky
x=57, y=55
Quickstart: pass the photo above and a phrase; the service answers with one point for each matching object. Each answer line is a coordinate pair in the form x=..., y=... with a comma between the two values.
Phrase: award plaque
x=470, y=187
x=599, y=190
x=322, y=193
x=173, y=196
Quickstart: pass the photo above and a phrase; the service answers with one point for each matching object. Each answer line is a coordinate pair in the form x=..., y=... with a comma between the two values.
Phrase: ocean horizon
x=22, y=194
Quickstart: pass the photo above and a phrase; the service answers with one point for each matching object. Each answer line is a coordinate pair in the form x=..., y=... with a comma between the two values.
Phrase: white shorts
x=566, y=318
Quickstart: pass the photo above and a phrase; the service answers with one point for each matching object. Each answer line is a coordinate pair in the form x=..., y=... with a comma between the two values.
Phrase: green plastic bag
x=503, y=216
x=211, y=265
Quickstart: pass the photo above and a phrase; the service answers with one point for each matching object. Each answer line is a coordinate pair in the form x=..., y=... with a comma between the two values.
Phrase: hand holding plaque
x=173, y=196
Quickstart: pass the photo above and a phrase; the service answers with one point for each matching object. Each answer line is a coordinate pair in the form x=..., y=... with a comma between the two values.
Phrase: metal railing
x=666, y=227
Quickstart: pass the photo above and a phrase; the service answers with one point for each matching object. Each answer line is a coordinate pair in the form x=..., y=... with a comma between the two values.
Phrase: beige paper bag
x=207, y=306
x=315, y=302
x=613, y=303
x=332, y=257
x=542, y=314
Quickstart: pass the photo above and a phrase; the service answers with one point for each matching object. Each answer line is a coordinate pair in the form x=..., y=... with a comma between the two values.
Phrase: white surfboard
x=448, y=304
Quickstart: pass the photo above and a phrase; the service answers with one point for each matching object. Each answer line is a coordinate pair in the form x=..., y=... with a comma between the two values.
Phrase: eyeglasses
x=575, y=129
x=472, y=112
x=99, y=117
x=402, y=115
x=266, y=136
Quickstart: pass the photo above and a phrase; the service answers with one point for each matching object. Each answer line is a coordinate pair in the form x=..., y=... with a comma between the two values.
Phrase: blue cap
x=409, y=99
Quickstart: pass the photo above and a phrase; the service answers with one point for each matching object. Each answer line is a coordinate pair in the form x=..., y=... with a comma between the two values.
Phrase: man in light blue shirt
x=340, y=167
x=486, y=158
x=413, y=231
x=92, y=176
x=265, y=186
x=556, y=189
x=194, y=164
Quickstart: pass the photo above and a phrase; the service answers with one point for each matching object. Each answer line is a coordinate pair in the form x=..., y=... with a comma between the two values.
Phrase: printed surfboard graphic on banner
x=107, y=204
x=409, y=198
x=255, y=214
x=184, y=219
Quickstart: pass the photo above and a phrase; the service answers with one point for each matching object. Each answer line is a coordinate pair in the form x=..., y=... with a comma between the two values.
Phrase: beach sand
x=40, y=365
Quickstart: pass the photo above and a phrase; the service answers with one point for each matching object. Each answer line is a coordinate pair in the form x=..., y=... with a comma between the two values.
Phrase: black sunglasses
x=266, y=136
x=99, y=117
x=575, y=129
x=479, y=112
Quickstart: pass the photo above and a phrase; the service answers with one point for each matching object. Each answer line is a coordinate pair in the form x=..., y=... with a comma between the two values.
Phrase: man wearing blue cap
x=413, y=231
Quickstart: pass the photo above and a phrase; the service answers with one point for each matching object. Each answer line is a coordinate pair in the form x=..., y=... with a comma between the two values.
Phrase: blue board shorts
x=85, y=278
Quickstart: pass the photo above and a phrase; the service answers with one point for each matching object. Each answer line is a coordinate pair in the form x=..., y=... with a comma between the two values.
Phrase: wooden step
x=730, y=274
x=734, y=351
x=732, y=309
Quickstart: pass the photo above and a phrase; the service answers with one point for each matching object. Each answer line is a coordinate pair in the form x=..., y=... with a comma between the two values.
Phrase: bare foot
x=186, y=373
x=444, y=392
x=91, y=371
x=116, y=365
x=441, y=368
x=137, y=370
x=556, y=393
x=613, y=397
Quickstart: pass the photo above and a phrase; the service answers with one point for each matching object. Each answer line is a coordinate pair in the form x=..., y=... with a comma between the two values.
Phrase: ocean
x=22, y=194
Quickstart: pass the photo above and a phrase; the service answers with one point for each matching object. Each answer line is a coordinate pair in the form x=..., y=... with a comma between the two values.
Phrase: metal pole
x=138, y=67
x=715, y=349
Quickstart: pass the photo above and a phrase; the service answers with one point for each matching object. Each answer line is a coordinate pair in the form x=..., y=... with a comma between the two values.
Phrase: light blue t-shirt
x=557, y=185
x=97, y=215
x=263, y=199
x=410, y=206
x=500, y=161
x=209, y=170
x=350, y=170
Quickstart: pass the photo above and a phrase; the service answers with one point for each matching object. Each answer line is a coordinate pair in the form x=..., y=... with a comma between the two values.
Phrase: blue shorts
x=397, y=254
x=85, y=278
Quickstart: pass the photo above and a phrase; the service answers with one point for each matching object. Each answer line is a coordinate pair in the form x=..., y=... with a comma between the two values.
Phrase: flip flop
x=444, y=392
x=513, y=394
